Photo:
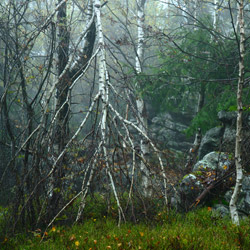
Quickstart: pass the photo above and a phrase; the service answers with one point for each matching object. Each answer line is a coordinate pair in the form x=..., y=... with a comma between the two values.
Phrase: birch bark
x=237, y=6
x=239, y=172
x=68, y=72
x=215, y=14
x=103, y=90
x=140, y=104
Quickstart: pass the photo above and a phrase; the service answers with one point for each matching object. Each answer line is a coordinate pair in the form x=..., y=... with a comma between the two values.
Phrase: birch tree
x=44, y=145
x=68, y=72
x=215, y=14
x=238, y=141
x=39, y=143
x=142, y=113
x=107, y=114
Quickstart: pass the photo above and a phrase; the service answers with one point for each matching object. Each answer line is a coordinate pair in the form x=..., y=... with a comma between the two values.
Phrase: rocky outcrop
x=243, y=204
x=206, y=174
x=211, y=141
x=213, y=173
x=213, y=176
x=228, y=118
x=214, y=161
x=168, y=130
x=223, y=138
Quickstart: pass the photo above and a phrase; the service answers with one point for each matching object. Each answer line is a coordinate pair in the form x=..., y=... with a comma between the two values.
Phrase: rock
x=211, y=141
x=189, y=189
x=220, y=210
x=243, y=203
x=228, y=118
x=213, y=161
x=228, y=142
x=223, y=138
x=168, y=129
x=190, y=184
x=201, y=177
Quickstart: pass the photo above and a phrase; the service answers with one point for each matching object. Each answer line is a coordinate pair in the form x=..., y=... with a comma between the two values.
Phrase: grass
x=200, y=229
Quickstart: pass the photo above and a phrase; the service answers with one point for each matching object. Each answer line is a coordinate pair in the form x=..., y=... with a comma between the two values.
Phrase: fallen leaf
x=141, y=233
x=209, y=209
x=72, y=237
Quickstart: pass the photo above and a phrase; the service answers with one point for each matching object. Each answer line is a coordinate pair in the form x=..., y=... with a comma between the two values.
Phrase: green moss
x=198, y=173
x=195, y=230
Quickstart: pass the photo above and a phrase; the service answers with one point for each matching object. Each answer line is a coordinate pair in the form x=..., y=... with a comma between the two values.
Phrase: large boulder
x=223, y=138
x=243, y=203
x=205, y=172
x=211, y=141
x=214, y=161
x=189, y=189
x=228, y=118
x=168, y=130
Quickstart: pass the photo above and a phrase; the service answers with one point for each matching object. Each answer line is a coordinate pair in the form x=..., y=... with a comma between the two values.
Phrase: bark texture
x=141, y=109
x=238, y=142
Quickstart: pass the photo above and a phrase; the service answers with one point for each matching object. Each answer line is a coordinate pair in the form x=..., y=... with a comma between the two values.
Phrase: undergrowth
x=199, y=229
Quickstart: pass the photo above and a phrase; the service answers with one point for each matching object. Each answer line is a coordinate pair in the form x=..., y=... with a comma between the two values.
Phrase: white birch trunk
x=195, y=13
x=239, y=172
x=238, y=17
x=141, y=111
x=215, y=14
x=103, y=89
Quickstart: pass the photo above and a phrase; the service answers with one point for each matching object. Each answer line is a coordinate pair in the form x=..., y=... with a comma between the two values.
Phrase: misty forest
x=125, y=124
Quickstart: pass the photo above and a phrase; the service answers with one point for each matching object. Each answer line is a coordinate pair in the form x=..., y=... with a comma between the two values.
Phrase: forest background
x=80, y=84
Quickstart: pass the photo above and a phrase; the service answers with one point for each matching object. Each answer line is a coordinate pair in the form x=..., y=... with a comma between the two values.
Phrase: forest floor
x=199, y=229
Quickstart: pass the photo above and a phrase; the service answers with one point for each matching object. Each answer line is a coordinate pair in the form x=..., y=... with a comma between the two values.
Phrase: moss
x=195, y=230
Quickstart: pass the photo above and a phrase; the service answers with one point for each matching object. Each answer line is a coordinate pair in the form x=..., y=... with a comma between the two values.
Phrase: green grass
x=200, y=229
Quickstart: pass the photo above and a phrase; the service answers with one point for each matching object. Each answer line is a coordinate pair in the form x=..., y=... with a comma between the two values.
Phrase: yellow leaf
x=53, y=229
x=141, y=233
x=77, y=243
